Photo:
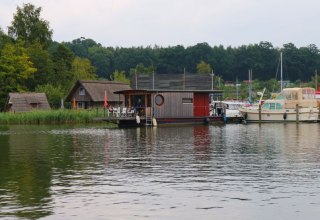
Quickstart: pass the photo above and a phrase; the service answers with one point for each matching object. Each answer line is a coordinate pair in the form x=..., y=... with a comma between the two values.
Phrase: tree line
x=31, y=61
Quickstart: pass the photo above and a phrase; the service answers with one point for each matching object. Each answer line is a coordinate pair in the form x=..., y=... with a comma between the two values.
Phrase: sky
x=134, y=23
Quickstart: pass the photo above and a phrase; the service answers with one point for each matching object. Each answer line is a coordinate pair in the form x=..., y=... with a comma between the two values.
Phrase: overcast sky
x=127, y=23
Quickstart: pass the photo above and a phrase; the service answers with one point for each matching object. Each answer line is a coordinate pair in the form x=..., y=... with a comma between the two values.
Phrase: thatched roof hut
x=24, y=102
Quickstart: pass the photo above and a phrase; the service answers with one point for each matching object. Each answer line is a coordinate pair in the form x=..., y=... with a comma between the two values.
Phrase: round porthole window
x=159, y=99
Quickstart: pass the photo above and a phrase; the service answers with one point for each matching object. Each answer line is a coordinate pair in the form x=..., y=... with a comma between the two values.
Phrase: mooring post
x=297, y=113
x=259, y=113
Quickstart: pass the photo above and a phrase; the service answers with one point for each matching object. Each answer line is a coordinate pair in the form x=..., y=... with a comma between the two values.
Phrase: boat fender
x=207, y=120
x=245, y=116
x=154, y=122
x=285, y=116
x=138, y=119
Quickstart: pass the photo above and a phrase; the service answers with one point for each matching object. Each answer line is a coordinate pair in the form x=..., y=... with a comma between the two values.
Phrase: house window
x=187, y=100
x=80, y=105
x=82, y=91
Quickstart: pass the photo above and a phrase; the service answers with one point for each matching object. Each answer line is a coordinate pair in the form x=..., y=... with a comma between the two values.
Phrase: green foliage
x=29, y=27
x=99, y=56
x=82, y=69
x=4, y=39
x=62, y=59
x=141, y=69
x=42, y=61
x=54, y=94
x=15, y=70
x=229, y=63
x=204, y=68
x=119, y=76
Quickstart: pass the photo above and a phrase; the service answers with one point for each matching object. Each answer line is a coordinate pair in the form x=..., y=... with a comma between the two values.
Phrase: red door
x=200, y=104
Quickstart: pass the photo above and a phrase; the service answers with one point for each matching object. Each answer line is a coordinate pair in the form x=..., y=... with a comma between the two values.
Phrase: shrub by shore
x=50, y=117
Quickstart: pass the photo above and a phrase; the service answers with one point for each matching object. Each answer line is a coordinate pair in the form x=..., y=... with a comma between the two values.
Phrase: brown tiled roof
x=22, y=102
x=97, y=88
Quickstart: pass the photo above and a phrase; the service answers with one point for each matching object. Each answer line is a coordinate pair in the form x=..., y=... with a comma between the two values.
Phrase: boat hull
x=287, y=115
x=132, y=122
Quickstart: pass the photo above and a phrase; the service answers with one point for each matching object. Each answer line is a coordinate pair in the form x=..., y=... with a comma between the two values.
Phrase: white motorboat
x=291, y=105
x=228, y=109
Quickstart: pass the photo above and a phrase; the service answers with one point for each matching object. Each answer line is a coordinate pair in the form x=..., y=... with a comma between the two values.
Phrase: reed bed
x=49, y=117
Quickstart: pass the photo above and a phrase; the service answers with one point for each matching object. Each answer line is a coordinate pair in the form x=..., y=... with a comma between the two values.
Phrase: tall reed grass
x=49, y=117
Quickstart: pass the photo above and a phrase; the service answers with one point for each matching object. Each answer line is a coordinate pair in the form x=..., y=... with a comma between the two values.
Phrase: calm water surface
x=268, y=171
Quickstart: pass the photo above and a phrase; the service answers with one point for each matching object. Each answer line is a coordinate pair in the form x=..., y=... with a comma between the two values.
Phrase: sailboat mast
x=316, y=79
x=281, y=71
x=250, y=86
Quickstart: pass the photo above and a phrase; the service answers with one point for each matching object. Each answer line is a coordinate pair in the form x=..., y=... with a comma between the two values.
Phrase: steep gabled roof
x=21, y=102
x=97, y=88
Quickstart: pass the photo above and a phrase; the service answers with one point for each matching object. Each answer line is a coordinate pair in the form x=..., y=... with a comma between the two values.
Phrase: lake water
x=267, y=171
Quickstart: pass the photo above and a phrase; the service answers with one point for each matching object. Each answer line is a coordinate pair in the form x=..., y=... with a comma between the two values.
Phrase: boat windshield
x=233, y=106
x=272, y=106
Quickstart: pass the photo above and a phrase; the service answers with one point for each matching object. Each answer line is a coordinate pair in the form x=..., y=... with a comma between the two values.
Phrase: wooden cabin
x=91, y=93
x=24, y=102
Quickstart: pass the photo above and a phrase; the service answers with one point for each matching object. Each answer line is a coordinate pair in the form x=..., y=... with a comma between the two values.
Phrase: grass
x=50, y=117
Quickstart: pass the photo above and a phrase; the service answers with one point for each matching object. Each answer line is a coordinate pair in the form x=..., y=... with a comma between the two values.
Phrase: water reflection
x=25, y=173
x=202, y=142
x=58, y=172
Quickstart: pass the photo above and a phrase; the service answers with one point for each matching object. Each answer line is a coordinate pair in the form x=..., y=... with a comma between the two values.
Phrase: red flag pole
x=74, y=103
x=105, y=99
x=105, y=104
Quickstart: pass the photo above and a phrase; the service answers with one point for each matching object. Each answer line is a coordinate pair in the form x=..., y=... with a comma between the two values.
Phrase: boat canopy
x=297, y=94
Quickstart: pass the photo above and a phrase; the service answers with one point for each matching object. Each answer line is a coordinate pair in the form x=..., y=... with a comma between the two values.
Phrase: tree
x=29, y=27
x=4, y=39
x=42, y=61
x=101, y=57
x=141, y=69
x=203, y=68
x=82, y=69
x=119, y=76
x=62, y=58
x=54, y=94
x=15, y=70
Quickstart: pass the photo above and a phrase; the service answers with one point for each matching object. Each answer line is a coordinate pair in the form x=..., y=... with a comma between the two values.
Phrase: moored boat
x=228, y=109
x=291, y=105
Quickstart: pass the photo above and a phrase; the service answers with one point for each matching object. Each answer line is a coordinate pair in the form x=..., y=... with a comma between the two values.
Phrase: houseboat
x=167, y=107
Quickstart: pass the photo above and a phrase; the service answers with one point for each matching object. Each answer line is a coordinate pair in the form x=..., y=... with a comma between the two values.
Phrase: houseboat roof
x=143, y=91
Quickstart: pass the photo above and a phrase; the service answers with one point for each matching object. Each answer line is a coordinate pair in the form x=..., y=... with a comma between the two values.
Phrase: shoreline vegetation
x=61, y=116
